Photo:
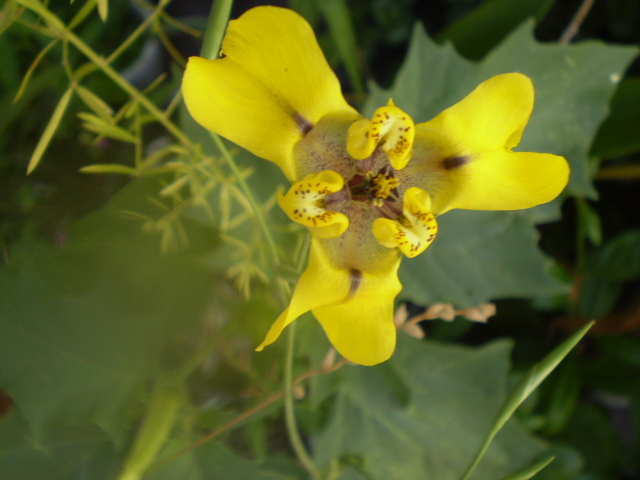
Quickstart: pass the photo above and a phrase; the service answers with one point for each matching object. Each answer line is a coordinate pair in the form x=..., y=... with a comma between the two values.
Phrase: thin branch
x=244, y=415
x=289, y=410
x=579, y=17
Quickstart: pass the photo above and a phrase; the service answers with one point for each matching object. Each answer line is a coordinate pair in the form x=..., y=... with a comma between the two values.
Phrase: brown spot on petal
x=303, y=125
x=355, y=276
x=450, y=163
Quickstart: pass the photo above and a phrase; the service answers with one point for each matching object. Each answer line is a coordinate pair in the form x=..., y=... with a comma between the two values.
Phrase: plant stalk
x=289, y=411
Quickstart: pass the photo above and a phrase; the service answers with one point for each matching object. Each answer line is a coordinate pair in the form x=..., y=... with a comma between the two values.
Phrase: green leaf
x=530, y=471
x=619, y=135
x=454, y=394
x=483, y=28
x=84, y=325
x=566, y=465
x=49, y=130
x=598, y=296
x=32, y=67
x=103, y=9
x=478, y=256
x=308, y=9
x=338, y=18
x=100, y=126
x=96, y=104
x=624, y=348
x=214, y=461
x=562, y=396
x=607, y=269
x=109, y=168
x=589, y=222
x=619, y=259
x=55, y=457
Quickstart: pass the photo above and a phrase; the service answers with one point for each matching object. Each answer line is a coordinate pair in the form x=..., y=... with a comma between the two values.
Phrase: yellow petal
x=305, y=201
x=390, y=127
x=504, y=180
x=271, y=87
x=362, y=328
x=464, y=154
x=414, y=230
x=321, y=283
x=493, y=116
x=354, y=307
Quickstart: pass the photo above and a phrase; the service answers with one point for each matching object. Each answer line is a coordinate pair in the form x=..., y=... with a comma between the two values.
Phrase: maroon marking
x=355, y=276
x=450, y=163
x=303, y=125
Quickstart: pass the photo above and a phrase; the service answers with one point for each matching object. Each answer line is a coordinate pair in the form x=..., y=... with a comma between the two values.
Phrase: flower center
x=383, y=185
x=374, y=186
x=379, y=187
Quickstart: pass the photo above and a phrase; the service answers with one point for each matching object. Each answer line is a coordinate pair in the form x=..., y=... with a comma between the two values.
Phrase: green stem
x=156, y=427
x=137, y=126
x=87, y=69
x=138, y=31
x=130, y=89
x=289, y=411
x=216, y=26
x=581, y=238
x=210, y=50
x=55, y=23
x=250, y=198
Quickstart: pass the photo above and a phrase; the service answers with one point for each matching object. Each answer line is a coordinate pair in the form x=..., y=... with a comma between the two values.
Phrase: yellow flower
x=367, y=190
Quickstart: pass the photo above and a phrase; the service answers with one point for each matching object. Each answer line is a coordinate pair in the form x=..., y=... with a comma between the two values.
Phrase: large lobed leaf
x=88, y=326
x=479, y=256
x=215, y=461
x=84, y=325
x=72, y=449
x=423, y=414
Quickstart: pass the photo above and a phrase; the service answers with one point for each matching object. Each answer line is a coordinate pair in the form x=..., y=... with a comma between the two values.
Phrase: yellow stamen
x=305, y=203
x=383, y=185
x=390, y=127
x=414, y=230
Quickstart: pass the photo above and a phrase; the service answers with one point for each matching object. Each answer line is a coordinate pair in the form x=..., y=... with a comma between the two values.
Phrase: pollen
x=383, y=185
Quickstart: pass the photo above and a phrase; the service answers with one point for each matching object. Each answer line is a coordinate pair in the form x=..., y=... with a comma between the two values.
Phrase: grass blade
x=109, y=168
x=523, y=389
x=96, y=104
x=50, y=130
x=530, y=471
x=103, y=9
x=34, y=64
x=338, y=17
x=97, y=125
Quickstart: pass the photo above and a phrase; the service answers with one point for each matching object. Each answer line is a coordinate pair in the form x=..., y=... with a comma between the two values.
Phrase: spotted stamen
x=390, y=127
x=413, y=230
x=305, y=203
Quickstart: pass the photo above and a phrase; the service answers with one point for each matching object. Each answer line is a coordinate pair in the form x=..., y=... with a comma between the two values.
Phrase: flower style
x=367, y=189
